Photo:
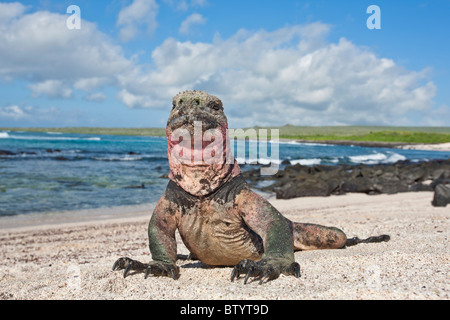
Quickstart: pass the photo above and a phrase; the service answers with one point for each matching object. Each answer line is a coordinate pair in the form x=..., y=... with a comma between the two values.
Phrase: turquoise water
x=48, y=172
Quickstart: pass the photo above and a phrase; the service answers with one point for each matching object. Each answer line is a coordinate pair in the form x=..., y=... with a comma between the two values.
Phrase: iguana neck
x=204, y=180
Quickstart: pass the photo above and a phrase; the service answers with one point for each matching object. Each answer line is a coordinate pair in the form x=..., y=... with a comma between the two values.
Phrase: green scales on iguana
x=220, y=219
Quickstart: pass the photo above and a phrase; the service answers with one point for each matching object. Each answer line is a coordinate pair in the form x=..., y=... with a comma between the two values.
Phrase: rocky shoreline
x=322, y=180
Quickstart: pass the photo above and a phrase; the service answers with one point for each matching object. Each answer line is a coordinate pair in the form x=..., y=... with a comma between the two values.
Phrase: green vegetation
x=328, y=133
x=388, y=136
x=369, y=134
x=364, y=134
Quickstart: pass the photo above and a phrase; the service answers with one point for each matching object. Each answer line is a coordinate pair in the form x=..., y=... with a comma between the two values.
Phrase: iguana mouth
x=187, y=122
x=197, y=148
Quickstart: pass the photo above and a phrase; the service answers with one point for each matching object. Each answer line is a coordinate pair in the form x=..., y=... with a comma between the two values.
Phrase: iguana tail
x=356, y=240
x=308, y=236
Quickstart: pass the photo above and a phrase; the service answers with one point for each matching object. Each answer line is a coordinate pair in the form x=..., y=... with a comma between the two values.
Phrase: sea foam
x=376, y=158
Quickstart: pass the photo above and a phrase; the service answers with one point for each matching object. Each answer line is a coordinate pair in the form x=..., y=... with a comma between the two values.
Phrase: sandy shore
x=444, y=147
x=73, y=260
x=431, y=147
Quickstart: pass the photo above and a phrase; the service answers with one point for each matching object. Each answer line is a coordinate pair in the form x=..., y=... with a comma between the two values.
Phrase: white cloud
x=290, y=75
x=137, y=101
x=10, y=11
x=52, y=116
x=193, y=19
x=89, y=84
x=184, y=5
x=139, y=13
x=12, y=112
x=96, y=97
x=51, y=88
x=34, y=115
x=39, y=47
x=55, y=61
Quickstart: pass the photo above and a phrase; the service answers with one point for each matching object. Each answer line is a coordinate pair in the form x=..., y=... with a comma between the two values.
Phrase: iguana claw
x=264, y=269
x=162, y=269
x=154, y=268
x=128, y=264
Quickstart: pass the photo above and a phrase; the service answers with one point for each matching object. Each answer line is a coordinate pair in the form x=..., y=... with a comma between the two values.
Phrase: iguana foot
x=162, y=269
x=155, y=268
x=129, y=265
x=264, y=269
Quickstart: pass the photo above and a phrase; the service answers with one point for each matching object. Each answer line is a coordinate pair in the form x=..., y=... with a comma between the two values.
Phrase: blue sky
x=271, y=62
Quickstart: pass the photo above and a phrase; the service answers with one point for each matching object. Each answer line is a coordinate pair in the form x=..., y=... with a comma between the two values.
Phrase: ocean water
x=50, y=172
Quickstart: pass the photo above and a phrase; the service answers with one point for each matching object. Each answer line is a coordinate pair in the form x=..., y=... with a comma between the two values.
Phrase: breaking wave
x=306, y=162
x=266, y=161
x=118, y=158
x=369, y=159
x=390, y=157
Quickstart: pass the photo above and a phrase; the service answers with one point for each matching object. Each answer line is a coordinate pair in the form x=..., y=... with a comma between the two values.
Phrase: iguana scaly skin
x=220, y=219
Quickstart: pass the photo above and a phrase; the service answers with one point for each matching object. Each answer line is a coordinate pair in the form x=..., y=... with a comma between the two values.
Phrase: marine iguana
x=219, y=218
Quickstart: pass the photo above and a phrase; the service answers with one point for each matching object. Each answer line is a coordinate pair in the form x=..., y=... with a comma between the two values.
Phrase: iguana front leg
x=162, y=244
x=274, y=230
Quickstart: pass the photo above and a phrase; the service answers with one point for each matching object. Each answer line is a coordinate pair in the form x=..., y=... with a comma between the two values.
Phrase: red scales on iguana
x=220, y=219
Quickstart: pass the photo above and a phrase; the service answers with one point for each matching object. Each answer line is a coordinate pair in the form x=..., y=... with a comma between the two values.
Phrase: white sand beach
x=430, y=146
x=58, y=258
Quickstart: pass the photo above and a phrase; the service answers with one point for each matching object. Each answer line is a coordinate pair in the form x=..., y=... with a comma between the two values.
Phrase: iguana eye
x=215, y=106
x=174, y=103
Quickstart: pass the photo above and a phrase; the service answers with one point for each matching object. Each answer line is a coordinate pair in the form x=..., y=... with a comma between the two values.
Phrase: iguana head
x=199, y=150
